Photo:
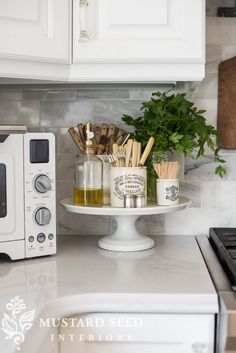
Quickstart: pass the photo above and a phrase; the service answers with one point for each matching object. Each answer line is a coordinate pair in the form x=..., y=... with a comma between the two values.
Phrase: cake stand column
x=126, y=237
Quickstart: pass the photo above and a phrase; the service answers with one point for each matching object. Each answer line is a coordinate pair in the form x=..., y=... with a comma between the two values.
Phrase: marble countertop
x=170, y=278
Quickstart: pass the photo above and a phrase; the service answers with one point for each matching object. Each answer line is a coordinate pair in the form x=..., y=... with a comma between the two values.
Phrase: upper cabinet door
x=140, y=32
x=36, y=30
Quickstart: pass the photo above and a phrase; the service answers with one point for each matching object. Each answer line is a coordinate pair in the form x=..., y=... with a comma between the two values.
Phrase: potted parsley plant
x=176, y=125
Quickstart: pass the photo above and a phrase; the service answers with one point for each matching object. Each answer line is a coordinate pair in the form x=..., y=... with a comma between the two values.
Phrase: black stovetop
x=223, y=241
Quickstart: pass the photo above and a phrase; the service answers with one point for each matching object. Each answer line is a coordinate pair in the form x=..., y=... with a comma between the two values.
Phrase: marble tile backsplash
x=55, y=108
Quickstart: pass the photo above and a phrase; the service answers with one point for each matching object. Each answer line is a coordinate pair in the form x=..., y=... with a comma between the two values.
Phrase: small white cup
x=167, y=192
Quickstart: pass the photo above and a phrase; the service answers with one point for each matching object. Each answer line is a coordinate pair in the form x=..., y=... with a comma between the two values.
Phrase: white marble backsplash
x=55, y=108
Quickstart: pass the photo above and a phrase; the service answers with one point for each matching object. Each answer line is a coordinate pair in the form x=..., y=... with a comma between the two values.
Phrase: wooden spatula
x=111, y=130
x=76, y=138
x=139, y=152
x=128, y=152
x=134, y=157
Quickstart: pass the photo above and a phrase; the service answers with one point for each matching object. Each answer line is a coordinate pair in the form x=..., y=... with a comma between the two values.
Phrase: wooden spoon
x=146, y=151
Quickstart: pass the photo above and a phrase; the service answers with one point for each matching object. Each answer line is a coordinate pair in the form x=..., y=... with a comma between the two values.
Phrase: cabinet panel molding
x=36, y=30
x=99, y=41
x=169, y=37
x=28, y=11
x=137, y=333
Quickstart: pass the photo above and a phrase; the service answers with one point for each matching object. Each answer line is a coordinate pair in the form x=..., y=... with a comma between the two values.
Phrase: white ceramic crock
x=127, y=180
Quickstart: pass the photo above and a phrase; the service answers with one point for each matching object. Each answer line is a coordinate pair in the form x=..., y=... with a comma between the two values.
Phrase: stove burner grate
x=223, y=241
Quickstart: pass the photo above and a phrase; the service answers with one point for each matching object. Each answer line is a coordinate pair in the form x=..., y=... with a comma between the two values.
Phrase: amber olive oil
x=88, y=197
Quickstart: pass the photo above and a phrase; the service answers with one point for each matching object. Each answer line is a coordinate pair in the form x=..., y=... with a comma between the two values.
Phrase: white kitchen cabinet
x=139, y=40
x=138, y=333
x=35, y=30
x=111, y=40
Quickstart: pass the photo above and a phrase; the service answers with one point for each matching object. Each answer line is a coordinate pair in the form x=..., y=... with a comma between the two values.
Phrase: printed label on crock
x=172, y=193
x=128, y=184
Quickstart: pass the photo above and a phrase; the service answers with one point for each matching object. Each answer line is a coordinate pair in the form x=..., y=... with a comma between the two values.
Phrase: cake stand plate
x=126, y=237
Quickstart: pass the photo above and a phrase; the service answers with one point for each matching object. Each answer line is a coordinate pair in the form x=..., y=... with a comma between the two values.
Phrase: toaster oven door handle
x=6, y=130
x=230, y=346
x=12, y=129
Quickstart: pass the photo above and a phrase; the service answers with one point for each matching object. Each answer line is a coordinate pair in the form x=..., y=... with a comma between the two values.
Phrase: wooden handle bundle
x=167, y=170
x=130, y=154
x=105, y=136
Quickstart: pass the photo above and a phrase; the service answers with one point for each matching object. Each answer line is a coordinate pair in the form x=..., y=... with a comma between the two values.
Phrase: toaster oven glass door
x=12, y=189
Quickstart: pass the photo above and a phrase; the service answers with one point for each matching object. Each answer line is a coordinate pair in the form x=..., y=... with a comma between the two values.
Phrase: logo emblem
x=129, y=184
x=172, y=193
x=16, y=321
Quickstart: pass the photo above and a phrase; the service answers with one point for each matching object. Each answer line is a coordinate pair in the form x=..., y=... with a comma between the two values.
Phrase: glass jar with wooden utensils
x=102, y=140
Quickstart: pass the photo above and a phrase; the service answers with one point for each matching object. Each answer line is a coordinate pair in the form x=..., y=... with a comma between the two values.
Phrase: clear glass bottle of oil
x=88, y=178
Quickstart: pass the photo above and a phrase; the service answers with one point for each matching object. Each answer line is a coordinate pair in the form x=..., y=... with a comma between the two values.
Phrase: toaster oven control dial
x=42, y=216
x=42, y=183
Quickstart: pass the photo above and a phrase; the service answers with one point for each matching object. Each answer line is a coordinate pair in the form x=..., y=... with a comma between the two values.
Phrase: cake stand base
x=126, y=237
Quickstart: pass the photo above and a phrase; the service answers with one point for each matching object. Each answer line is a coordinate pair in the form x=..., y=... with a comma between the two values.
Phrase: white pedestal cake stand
x=126, y=237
